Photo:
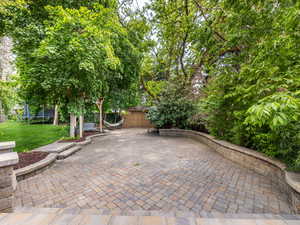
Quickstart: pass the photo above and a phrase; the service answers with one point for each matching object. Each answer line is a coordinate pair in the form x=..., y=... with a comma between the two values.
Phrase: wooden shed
x=136, y=118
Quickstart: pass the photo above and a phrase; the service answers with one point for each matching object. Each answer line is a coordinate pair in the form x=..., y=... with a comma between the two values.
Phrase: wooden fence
x=136, y=119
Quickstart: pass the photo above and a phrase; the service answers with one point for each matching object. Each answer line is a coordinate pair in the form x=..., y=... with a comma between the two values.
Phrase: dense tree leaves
x=173, y=110
x=243, y=57
x=79, y=55
x=7, y=95
x=238, y=61
x=72, y=52
x=253, y=97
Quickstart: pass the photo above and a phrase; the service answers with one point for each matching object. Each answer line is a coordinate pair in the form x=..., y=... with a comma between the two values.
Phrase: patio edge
x=288, y=182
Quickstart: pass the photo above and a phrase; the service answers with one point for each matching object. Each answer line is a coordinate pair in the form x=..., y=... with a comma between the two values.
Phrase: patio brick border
x=35, y=168
x=287, y=181
x=89, y=139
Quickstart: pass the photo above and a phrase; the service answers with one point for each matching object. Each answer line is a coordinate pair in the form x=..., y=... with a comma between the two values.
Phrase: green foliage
x=252, y=97
x=8, y=95
x=240, y=60
x=275, y=111
x=76, y=59
x=172, y=111
x=28, y=136
x=69, y=138
x=196, y=122
x=154, y=91
x=73, y=52
x=244, y=57
x=156, y=87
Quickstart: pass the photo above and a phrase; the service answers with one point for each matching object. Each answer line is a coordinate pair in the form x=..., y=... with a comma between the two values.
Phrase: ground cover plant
x=30, y=136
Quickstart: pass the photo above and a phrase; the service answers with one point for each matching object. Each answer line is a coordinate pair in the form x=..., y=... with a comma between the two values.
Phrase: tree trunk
x=99, y=104
x=101, y=121
x=81, y=131
x=55, y=120
x=72, y=125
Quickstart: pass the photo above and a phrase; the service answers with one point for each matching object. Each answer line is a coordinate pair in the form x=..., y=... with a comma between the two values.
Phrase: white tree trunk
x=55, y=120
x=72, y=125
x=101, y=119
x=81, y=120
x=99, y=104
x=7, y=64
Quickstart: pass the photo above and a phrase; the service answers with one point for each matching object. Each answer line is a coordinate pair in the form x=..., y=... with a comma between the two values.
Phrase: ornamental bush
x=172, y=111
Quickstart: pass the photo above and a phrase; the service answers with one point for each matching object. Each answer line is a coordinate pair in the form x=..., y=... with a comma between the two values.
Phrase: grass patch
x=30, y=136
x=69, y=138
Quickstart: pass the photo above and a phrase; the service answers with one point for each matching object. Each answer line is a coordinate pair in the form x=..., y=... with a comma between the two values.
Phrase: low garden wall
x=287, y=181
x=40, y=166
x=36, y=168
x=7, y=176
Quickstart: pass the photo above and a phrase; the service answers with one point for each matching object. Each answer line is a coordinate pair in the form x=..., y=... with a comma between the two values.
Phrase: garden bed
x=86, y=134
x=28, y=158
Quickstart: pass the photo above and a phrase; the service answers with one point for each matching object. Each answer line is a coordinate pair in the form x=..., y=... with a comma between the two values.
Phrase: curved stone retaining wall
x=288, y=182
x=40, y=166
x=35, y=168
x=8, y=181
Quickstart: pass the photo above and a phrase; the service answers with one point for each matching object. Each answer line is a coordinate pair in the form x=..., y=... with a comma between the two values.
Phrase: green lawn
x=28, y=137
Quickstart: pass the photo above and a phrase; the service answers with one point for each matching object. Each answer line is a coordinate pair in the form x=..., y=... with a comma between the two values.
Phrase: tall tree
x=245, y=57
x=72, y=52
x=84, y=56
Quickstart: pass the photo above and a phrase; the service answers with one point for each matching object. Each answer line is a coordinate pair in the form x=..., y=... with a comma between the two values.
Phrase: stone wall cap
x=9, y=159
x=7, y=145
x=56, y=147
x=234, y=147
x=293, y=179
x=251, y=152
x=36, y=166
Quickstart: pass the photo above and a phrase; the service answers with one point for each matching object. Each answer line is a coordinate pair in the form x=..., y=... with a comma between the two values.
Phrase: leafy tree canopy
x=236, y=61
x=72, y=52
x=8, y=95
x=240, y=59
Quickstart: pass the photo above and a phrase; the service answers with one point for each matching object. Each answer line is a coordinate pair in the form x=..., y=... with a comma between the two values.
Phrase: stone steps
x=89, y=219
x=63, y=150
x=68, y=152
x=55, y=147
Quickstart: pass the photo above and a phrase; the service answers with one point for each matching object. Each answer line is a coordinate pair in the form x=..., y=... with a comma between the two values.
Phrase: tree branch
x=183, y=53
x=184, y=41
x=206, y=19
x=198, y=68
x=147, y=89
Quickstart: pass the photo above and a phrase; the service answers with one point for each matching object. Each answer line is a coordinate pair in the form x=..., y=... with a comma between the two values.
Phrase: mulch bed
x=86, y=134
x=28, y=158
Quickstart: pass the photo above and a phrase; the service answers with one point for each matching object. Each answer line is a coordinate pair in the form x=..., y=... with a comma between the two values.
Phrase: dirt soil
x=86, y=134
x=28, y=158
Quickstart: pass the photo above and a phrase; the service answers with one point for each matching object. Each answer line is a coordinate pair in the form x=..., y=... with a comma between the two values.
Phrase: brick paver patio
x=131, y=170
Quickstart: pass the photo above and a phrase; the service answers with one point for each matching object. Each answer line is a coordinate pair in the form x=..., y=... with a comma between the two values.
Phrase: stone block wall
x=7, y=176
x=287, y=182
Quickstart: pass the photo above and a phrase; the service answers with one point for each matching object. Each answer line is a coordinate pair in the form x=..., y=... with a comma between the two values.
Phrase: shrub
x=197, y=122
x=172, y=111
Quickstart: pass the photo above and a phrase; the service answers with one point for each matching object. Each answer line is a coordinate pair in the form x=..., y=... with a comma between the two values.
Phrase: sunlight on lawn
x=30, y=136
